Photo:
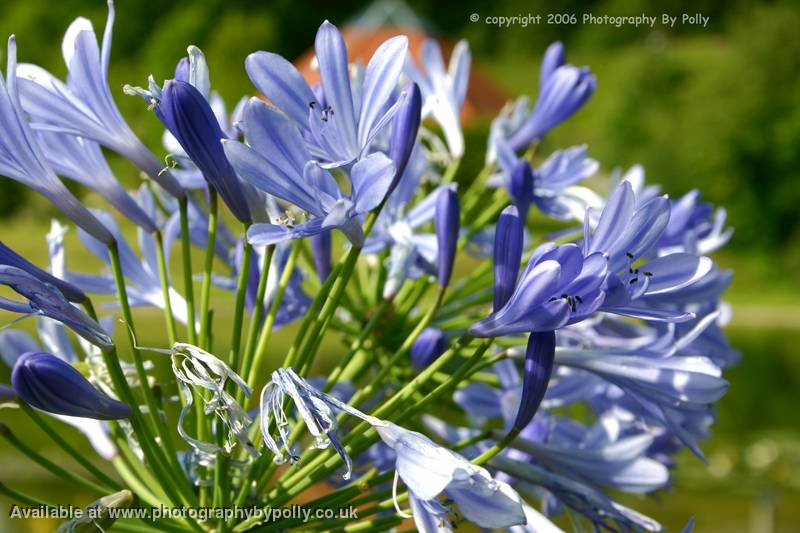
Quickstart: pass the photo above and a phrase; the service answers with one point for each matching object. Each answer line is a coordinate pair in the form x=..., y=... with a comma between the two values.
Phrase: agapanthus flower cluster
x=442, y=341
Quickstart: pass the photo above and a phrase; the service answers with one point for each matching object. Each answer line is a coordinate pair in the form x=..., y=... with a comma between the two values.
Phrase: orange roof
x=484, y=98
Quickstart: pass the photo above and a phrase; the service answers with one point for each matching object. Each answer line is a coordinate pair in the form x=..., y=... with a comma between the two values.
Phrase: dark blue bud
x=521, y=187
x=430, y=344
x=188, y=116
x=447, y=222
x=508, y=237
x=12, y=258
x=553, y=58
x=321, y=251
x=182, y=70
x=536, y=375
x=50, y=384
x=405, y=125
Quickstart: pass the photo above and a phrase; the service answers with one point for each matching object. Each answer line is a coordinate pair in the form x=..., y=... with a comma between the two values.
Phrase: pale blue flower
x=84, y=106
x=22, y=159
x=444, y=91
x=339, y=129
x=277, y=162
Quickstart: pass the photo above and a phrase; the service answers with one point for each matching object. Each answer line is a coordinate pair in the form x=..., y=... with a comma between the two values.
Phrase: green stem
x=356, y=345
x=188, y=283
x=163, y=274
x=306, y=357
x=451, y=171
x=53, y=468
x=258, y=311
x=67, y=447
x=266, y=328
x=165, y=439
x=241, y=293
x=501, y=445
x=23, y=498
x=205, y=290
x=377, y=381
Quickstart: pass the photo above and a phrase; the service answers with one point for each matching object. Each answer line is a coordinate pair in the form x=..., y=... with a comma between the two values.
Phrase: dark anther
x=311, y=104
x=648, y=274
x=579, y=299
x=630, y=255
x=633, y=280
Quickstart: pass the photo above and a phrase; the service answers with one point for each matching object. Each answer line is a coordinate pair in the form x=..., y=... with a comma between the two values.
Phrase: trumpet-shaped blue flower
x=84, y=106
x=50, y=384
x=565, y=89
x=412, y=253
x=559, y=286
x=429, y=470
x=552, y=185
x=340, y=128
x=444, y=90
x=82, y=160
x=22, y=158
x=627, y=232
x=277, y=162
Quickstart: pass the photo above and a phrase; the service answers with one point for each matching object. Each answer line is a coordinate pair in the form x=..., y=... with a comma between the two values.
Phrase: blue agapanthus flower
x=277, y=162
x=84, y=106
x=339, y=125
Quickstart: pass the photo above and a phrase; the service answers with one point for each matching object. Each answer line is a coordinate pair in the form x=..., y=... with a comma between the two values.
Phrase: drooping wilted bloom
x=21, y=157
x=11, y=258
x=84, y=106
x=188, y=116
x=430, y=344
x=405, y=126
x=45, y=299
x=50, y=384
x=276, y=161
x=508, y=238
x=559, y=286
x=447, y=222
x=197, y=369
x=337, y=132
x=444, y=91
